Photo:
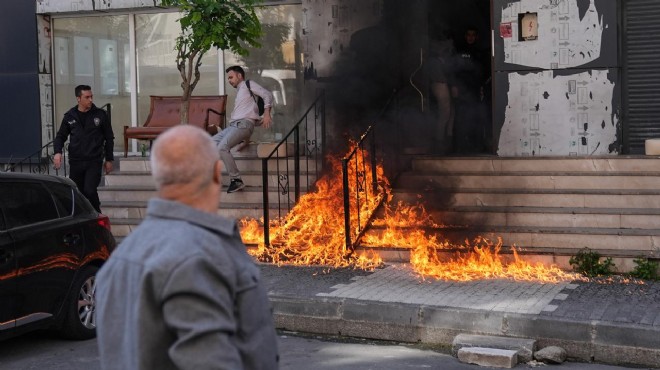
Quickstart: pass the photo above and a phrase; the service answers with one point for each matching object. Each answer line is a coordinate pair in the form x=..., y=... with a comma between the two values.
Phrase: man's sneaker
x=235, y=185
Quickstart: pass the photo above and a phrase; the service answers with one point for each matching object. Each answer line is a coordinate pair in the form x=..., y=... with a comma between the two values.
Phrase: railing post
x=323, y=136
x=264, y=176
x=347, y=204
x=296, y=162
x=374, y=173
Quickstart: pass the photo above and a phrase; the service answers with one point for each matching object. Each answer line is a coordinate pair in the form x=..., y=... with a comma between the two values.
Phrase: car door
x=47, y=249
x=7, y=275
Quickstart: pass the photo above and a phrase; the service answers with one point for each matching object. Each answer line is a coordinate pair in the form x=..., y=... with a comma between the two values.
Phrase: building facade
x=567, y=77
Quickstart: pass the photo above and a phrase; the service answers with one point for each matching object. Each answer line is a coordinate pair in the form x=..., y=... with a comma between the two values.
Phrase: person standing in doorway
x=91, y=140
x=439, y=65
x=471, y=76
x=242, y=121
x=181, y=291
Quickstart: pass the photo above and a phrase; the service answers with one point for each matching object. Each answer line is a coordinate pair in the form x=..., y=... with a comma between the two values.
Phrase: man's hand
x=266, y=120
x=108, y=167
x=57, y=161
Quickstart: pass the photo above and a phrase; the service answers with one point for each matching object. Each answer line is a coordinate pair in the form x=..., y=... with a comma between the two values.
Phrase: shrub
x=645, y=269
x=588, y=263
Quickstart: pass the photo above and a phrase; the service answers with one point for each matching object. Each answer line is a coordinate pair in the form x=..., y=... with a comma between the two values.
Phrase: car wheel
x=80, y=315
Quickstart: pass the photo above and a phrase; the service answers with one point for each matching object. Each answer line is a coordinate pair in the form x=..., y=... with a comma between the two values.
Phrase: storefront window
x=155, y=36
x=92, y=51
x=96, y=51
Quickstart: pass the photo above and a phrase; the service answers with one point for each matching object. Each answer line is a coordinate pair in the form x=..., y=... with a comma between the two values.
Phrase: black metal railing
x=287, y=159
x=360, y=180
x=41, y=161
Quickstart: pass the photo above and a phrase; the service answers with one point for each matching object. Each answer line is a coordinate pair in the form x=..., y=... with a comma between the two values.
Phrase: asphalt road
x=298, y=352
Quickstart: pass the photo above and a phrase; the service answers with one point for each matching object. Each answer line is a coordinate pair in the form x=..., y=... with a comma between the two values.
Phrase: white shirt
x=245, y=106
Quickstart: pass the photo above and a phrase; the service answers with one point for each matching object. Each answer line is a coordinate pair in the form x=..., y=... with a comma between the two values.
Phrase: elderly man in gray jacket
x=181, y=292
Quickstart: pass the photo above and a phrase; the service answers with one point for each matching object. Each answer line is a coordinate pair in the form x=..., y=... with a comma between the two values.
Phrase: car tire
x=80, y=309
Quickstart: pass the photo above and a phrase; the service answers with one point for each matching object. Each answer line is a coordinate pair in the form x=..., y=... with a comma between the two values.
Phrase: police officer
x=92, y=139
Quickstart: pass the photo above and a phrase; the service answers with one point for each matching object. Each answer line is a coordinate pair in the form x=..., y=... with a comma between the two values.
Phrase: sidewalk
x=614, y=322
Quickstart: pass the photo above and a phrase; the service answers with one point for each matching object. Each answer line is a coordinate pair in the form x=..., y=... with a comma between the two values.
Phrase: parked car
x=52, y=243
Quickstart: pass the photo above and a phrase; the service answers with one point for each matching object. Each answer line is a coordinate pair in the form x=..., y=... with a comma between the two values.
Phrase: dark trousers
x=87, y=176
x=469, y=126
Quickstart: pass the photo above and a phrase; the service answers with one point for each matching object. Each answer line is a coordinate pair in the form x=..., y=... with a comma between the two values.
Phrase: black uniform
x=470, y=79
x=91, y=139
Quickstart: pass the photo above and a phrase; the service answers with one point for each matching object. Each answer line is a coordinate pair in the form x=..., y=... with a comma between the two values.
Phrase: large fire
x=312, y=233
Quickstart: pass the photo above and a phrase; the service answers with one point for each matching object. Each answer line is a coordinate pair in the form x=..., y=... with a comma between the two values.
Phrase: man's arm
x=58, y=143
x=198, y=307
x=109, y=143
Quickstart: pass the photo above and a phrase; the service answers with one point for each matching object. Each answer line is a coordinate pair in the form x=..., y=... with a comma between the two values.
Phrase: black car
x=52, y=243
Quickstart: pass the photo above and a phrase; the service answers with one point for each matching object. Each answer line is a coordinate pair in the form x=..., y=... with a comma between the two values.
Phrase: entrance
x=459, y=74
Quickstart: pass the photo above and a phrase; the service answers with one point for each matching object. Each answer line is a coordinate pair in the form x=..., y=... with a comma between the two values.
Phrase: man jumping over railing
x=244, y=117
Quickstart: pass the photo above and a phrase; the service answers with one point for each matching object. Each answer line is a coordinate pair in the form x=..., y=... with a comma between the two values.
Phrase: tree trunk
x=189, y=69
x=185, y=104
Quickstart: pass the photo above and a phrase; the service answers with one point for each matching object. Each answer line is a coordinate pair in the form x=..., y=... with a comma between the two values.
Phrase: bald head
x=184, y=156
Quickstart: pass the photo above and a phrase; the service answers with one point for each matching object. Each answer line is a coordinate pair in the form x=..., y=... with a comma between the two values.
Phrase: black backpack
x=257, y=99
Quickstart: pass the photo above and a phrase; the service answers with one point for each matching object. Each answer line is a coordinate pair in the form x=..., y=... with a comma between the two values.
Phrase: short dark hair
x=472, y=27
x=237, y=69
x=81, y=88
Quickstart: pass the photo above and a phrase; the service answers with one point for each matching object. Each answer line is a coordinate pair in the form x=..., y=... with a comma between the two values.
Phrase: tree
x=224, y=24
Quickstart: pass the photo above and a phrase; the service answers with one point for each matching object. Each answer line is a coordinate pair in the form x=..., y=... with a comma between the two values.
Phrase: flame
x=312, y=233
x=483, y=261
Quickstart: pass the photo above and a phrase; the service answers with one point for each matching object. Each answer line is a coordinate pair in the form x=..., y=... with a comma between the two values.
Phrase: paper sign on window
x=529, y=28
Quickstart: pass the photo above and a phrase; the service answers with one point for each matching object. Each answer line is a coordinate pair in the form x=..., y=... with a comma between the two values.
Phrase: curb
x=590, y=341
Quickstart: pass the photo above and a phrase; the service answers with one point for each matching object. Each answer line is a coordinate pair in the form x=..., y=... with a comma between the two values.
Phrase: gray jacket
x=181, y=292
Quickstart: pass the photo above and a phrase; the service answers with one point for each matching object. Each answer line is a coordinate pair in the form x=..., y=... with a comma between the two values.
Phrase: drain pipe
x=421, y=63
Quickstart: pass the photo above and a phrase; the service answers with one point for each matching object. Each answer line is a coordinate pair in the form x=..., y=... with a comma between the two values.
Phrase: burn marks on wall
x=555, y=34
x=574, y=119
x=327, y=27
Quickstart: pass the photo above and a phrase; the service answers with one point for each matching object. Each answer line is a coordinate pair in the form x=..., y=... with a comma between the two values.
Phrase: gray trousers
x=228, y=138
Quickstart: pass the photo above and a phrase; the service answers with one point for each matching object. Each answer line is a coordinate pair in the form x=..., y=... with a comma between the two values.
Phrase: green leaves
x=589, y=263
x=225, y=24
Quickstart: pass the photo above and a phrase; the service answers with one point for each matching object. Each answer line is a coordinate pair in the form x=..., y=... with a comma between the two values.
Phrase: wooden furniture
x=207, y=112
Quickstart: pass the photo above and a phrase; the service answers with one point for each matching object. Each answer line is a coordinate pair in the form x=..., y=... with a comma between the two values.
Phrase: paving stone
x=522, y=346
x=488, y=357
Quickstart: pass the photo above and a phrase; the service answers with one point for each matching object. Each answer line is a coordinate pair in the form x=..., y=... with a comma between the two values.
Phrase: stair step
x=496, y=180
x=601, y=164
x=249, y=177
x=591, y=198
x=125, y=216
x=561, y=241
x=250, y=194
x=252, y=163
x=548, y=217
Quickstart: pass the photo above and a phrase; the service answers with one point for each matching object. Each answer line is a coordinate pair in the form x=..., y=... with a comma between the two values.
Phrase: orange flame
x=312, y=233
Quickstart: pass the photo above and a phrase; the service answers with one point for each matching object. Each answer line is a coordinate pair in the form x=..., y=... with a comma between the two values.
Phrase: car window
x=63, y=195
x=26, y=203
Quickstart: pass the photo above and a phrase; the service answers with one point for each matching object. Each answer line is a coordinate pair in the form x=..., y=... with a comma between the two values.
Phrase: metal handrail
x=38, y=162
x=314, y=152
x=361, y=192
x=41, y=160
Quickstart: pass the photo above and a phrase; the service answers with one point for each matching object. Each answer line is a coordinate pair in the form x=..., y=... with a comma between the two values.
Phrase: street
x=42, y=350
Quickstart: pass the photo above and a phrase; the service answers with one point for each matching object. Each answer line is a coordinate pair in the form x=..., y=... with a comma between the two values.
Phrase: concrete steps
x=549, y=207
x=126, y=191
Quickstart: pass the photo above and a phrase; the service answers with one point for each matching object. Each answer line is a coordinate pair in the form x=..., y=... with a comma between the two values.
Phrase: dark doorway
x=459, y=70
